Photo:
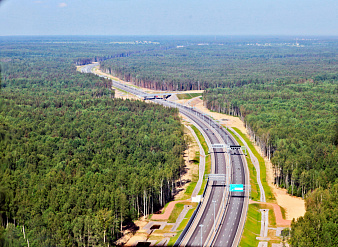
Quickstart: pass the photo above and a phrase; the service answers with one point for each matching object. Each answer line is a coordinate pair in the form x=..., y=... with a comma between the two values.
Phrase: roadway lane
x=216, y=195
x=88, y=68
x=226, y=236
x=229, y=226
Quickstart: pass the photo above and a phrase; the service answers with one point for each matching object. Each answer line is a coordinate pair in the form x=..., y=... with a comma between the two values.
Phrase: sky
x=169, y=17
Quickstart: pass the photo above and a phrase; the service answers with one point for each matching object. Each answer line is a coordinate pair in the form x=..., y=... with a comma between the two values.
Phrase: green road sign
x=236, y=187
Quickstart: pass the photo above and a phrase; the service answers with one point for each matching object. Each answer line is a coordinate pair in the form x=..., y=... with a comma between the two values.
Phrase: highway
x=218, y=188
x=230, y=228
x=229, y=207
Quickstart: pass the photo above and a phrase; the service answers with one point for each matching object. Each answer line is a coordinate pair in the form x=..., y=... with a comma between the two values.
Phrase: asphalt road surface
x=230, y=228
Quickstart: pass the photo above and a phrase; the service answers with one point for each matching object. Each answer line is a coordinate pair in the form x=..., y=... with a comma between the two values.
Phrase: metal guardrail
x=223, y=207
x=224, y=204
x=192, y=218
x=246, y=212
x=212, y=242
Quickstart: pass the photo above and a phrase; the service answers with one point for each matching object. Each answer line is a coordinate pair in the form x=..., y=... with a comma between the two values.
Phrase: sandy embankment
x=294, y=206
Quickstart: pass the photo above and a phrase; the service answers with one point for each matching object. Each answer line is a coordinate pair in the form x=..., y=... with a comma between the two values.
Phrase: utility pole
x=201, y=235
x=214, y=215
x=228, y=168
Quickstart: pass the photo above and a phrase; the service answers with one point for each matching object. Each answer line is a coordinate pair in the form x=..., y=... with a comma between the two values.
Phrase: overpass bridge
x=155, y=96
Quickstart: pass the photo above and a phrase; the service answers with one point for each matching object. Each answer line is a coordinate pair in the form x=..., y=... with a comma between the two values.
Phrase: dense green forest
x=294, y=123
x=285, y=90
x=78, y=49
x=225, y=62
x=75, y=163
x=318, y=227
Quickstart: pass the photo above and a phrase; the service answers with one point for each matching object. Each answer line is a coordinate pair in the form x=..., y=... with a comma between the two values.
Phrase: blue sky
x=169, y=17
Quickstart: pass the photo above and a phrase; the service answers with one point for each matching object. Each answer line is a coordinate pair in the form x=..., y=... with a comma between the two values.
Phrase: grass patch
x=194, y=179
x=207, y=171
x=186, y=219
x=207, y=165
x=116, y=88
x=207, y=158
x=201, y=139
x=188, y=95
x=268, y=193
x=183, y=96
x=183, y=224
x=195, y=94
x=196, y=159
x=154, y=237
x=283, y=212
x=255, y=193
x=166, y=229
x=252, y=227
x=173, y=239
x=176, y=212
x=189, y=190
x=236, y=137
x=204, y=182
x=190, y=212
x=272, y=218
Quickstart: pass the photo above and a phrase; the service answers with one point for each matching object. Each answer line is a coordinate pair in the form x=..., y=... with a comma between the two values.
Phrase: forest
x=208, y=63
x=319, y=225
x=293, y=123
x=285, y=90
x=75, y=163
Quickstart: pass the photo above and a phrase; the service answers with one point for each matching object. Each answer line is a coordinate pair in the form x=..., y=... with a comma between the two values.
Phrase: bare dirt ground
x=129, y=237
x=294, y=206
x=191, y=169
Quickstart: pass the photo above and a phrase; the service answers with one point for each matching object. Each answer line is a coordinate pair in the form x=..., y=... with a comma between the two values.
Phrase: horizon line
x=203, y=35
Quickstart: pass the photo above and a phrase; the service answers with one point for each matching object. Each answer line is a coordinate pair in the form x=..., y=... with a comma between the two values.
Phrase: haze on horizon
x=159, y=17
